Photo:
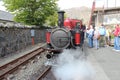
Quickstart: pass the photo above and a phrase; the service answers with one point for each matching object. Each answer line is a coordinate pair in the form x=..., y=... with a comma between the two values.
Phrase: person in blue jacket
x=102, y=32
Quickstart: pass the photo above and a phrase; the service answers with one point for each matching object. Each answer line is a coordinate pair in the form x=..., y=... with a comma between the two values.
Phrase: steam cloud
x=72, y=65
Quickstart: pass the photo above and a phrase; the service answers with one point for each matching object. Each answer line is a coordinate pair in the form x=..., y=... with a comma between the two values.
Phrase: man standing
x=82, y=28
x=102, y=32
x=117, y=38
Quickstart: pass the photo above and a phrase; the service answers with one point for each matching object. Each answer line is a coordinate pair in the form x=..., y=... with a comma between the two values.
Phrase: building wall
x=112, y=19
x=108, y=16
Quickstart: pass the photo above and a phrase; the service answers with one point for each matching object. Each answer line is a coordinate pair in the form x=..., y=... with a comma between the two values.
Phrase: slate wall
x=14, y=39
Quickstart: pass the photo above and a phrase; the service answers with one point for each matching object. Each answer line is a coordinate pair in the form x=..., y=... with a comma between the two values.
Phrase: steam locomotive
x=67, y=35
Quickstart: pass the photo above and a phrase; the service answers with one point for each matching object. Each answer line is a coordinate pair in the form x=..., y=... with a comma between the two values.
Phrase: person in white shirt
x=90, y=37
x=96, y=38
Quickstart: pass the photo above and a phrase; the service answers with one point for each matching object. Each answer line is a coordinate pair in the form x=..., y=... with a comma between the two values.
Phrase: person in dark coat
x=82, y=28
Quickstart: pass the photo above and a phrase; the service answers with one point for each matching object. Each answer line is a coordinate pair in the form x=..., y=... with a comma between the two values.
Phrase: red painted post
x=92, y=11
x=33, y=42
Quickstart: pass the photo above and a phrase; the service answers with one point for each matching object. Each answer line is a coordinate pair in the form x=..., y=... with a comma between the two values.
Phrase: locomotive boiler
x=67, y=35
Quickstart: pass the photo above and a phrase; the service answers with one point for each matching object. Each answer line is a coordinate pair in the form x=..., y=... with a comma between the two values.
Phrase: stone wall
x=15, y=39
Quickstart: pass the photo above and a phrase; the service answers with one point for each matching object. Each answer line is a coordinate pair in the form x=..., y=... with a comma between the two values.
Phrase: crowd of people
x=101, y=37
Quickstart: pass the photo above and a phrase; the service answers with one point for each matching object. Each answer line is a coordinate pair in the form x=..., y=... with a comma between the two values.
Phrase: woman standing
x=96, y=37
x=90, y=37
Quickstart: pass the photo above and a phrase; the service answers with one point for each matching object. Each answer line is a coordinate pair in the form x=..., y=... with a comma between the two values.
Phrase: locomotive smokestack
x=61, y=18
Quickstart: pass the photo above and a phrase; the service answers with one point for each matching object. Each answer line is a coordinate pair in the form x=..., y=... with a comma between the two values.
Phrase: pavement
x=105, y=61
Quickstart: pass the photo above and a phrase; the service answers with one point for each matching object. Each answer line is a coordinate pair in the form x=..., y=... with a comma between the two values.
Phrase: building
x=6, y=17
x=108, y=16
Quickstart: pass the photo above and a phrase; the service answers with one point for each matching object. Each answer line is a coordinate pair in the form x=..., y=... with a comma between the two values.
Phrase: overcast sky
x=65, y=4
x=2, y=7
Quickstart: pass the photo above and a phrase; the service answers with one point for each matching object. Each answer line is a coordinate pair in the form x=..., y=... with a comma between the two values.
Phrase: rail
x=44, y=73
x=13, y=65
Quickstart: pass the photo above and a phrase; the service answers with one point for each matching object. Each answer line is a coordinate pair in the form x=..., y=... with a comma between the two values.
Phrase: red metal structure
x=92, y=11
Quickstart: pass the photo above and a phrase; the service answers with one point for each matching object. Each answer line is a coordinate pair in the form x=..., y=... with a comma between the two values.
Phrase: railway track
x=47, y=74
x=15, y=64
x=44, y=73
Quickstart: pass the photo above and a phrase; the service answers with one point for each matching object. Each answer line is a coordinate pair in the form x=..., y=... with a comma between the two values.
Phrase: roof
x=6, y=16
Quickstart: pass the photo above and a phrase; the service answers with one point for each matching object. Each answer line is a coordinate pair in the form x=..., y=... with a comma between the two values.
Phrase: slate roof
x=6, y=16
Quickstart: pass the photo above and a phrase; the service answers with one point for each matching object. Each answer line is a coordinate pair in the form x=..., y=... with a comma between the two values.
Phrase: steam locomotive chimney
x=61, y=19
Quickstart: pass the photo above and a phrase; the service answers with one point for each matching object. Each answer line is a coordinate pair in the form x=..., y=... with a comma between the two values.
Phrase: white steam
x=72, y=65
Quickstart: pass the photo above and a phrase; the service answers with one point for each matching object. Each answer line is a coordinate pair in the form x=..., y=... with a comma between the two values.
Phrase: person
x=82, y=28
x=87, y=29
x=107, y=36
x=90, y=36
x=116, y=38
x=110, y=36
x=119, y=35
x=102, y=32
x=96, y=38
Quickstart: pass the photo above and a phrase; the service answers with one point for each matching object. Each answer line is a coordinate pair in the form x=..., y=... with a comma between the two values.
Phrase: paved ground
x=105, y=61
